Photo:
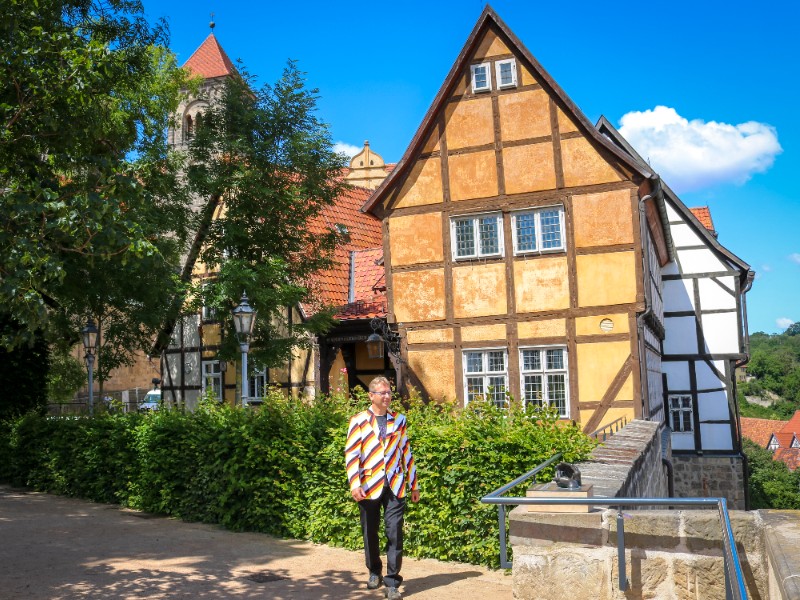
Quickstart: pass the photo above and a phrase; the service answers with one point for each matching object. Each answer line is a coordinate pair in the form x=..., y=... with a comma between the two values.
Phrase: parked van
x=151, y=401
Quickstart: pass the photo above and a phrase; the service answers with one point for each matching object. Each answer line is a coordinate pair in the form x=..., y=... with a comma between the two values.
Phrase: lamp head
x=89, y=335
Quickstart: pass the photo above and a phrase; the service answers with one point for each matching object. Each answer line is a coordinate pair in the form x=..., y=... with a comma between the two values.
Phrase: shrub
x=279, y=469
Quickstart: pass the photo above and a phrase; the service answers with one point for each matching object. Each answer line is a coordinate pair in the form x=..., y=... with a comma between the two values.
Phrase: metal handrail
x=612, y=428
x=730, y=553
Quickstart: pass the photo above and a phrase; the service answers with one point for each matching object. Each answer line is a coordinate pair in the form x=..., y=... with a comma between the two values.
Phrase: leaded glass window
x=544, y=378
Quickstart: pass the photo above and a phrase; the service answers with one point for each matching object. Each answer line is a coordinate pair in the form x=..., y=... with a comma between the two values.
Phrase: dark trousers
x=393, y=508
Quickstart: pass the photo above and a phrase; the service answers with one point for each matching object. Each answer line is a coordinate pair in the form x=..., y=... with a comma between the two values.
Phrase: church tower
x=211, y=63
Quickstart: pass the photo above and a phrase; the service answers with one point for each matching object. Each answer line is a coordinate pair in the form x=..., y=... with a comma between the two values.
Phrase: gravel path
x=54, y=548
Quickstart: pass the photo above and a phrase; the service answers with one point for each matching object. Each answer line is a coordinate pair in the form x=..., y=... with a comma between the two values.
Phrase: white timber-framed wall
x=706, y=336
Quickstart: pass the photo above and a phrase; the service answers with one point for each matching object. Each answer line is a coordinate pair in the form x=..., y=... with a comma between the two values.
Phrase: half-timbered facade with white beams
x=703, y=291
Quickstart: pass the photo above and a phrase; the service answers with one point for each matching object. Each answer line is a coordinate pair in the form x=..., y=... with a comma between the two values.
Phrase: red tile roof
x=369, y=275
x=210, y=60
x=760, y=430
x=793, y=424
x=703, y=214
x=786, y=432
x=789, y=456
x=331, y=287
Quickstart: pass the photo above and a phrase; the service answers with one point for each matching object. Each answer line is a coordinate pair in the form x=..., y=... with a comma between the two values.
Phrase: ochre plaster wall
x=542, y=329
x=606, y=279
x=598, y=365
x=469, y=123
x=423, y=186
x=603, y=219
x=435, y=369
x=478, y=333
x=479, y=290
x=490, y=45
x=419, y=295
x=524, y=115
x=583, y=165
x=529, y=168
x=416, y=239
x=541, y=283
x=591, y=325
x=473, y=175
x=429, y=336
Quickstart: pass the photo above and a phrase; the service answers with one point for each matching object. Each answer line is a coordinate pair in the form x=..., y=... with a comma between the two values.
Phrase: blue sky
x=709, y=91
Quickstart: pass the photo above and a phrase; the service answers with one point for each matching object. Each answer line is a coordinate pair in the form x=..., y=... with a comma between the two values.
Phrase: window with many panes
x=538, y=230
x=481, y=78
x=506, y=73
x=486, y=375
x=680, y=413
x=477, y=236
x=258, y=384
x=212, y=378
x=544, y=378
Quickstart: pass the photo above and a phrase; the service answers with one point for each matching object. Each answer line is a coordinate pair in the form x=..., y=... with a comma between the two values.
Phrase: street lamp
x=244, y=318
x=381, y=334
x=89, y=334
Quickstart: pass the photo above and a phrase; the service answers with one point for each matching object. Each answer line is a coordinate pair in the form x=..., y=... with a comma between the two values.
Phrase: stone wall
x=629, y=463
x=710, y=476
x=668, y=554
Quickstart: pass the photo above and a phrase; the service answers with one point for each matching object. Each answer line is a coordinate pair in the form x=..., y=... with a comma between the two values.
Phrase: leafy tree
x=21, y=370
x=65, y=376
x=775, y=363
x=93, y=219
x=770, y=483
x=264, y=165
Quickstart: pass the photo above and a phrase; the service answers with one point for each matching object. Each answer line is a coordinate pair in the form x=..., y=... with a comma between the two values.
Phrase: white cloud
x=766, y=268
x=347, y=149
x=784, y=322
x=795, y=257
x=691, y=155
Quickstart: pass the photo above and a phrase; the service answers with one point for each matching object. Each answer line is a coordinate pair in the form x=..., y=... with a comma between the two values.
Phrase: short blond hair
x=379, y=380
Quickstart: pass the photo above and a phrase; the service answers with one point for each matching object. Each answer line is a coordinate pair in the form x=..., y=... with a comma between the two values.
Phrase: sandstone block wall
x=668, y=554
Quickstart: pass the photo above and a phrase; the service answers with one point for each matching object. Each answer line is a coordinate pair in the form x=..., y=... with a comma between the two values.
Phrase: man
x=378, y=458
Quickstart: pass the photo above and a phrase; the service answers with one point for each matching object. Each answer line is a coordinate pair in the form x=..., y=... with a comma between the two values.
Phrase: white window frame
x=207, y=313
x=485, y=374
x=498, y=66
x=211, y=371
x=488, y=86
x=537, y=216
x=685, y=414
x=477, y=252
x=258, y=383
x=773, y=443
x=543, y=371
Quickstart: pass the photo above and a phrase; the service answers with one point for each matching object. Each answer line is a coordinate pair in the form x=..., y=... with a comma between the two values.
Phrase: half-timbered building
x=532, y=255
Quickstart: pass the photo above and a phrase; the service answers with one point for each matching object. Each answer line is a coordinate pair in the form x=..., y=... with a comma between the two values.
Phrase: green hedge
x=280, y=469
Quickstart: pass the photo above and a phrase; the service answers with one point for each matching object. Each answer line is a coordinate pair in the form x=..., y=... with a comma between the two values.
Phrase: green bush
x=279, y=469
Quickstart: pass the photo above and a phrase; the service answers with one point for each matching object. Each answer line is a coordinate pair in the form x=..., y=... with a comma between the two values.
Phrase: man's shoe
x=393, y=594
x=375, y=581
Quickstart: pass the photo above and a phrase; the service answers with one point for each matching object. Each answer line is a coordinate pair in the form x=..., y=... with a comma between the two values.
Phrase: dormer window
x=481, y=79
x=773, y=444
x=506, y=73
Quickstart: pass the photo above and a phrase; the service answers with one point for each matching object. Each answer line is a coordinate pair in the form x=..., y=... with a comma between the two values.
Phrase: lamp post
x=89, y=334
x=244, y=318
x=381, y=334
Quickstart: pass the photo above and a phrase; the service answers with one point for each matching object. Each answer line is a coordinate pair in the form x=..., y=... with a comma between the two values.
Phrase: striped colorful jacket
x=369, y=461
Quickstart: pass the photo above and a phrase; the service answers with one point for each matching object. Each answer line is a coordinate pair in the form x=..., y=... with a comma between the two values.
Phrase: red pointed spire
x=210, y=60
